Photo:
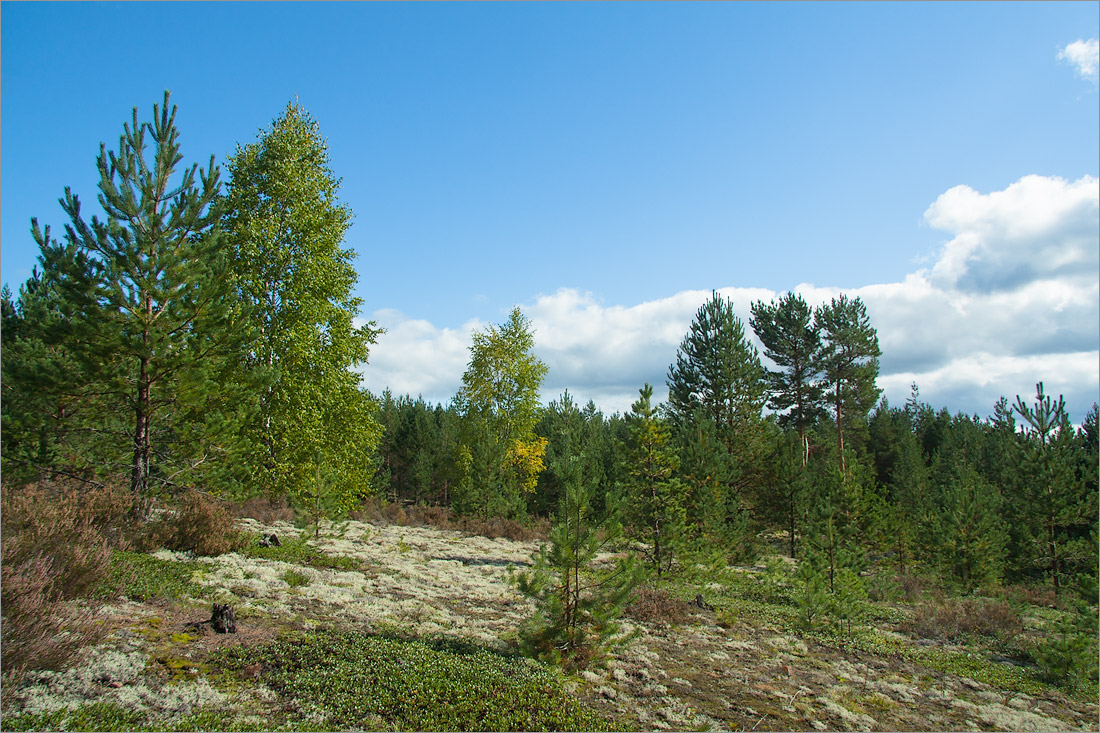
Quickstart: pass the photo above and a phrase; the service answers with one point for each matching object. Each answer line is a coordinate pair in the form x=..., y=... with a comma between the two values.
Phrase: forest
x=194, y=348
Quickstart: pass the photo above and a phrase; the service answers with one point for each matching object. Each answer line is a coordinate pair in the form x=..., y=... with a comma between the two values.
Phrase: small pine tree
x=577, y=601
x=657, y=496
x=811, y=596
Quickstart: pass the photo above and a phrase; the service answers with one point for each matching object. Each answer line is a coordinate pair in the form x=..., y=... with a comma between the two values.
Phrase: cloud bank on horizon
x=1013, y=298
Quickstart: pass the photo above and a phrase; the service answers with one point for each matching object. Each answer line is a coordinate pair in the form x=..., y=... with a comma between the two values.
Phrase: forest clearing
x=745, y=665
x=210, y=522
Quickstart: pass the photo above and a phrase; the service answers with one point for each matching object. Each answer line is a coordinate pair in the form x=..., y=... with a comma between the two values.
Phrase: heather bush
x=201, y=525
x=56, y=547
x=657, y=605
x=266, y=509
x=40, y=523
x=957, y=619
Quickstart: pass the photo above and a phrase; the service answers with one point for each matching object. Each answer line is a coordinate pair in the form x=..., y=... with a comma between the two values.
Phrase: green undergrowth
x=344, y=680
x=766, y=598
x=297, y=551
x=142, y=577
x=958, y=662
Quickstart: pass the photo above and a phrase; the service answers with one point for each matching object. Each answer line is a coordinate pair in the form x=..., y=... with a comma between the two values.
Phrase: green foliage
x=418, y=455
x=792, y=340
x=140, y=316
x=717, y=370
x=142, y=577
x=849, y=363
x=1056, y=507
x=655, y=496
x=315, y=430
x=46, y=404
x=810, y=595
x=353, y=680
x=500, y=455
x=716, y=394
x=601, y=454
x=577, y=601
x=96, y=716
x=295, y=578
x=1067, y=656
x=297, y=551
x=966, y=531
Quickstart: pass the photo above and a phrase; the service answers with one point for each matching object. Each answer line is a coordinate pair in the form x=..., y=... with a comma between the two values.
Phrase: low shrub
x=201, y=525
x=955, y=620
x=296, y=551
x=295, y=578
x=266, y=509
x=348, y=680
x=657, y=605
x=142, y=577
x=1031, y=595
x=54, y=550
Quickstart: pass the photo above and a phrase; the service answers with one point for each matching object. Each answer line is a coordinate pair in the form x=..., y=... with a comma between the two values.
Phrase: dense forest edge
x=180, y=380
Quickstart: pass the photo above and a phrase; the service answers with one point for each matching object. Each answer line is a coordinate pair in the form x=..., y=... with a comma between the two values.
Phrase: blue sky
x=605, y=166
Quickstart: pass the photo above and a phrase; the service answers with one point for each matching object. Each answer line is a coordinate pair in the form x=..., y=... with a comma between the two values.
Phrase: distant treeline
x=202, y=337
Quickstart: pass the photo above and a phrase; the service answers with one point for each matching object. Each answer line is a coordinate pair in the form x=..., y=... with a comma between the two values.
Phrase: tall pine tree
x=145, y=293
x=792, y=340
x=849, y=361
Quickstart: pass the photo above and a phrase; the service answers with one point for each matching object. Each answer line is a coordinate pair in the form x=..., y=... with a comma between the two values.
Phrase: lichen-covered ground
x=722, y=673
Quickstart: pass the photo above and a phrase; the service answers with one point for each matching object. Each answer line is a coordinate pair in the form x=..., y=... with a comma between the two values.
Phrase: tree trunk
x=840, y=428
x=139, y=472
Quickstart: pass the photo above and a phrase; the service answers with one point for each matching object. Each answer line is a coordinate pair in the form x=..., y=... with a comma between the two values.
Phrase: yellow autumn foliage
x=526, y=457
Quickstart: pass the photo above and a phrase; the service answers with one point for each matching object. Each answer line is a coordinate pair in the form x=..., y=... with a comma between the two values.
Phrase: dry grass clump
x=421, y=515
x=956, y=619
x=201, y=525
x=657, y=605
x=57, y=545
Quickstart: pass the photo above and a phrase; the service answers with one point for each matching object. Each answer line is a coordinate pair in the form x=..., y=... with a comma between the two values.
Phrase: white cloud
x=1012, y=299
x=1085, y=57
x=415, y=357
x=1036, y=228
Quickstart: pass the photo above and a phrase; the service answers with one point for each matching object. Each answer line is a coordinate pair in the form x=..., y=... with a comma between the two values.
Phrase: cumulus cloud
x=415, y=357
x=1084, y=56
x=1037, y=228
x=1012, y=298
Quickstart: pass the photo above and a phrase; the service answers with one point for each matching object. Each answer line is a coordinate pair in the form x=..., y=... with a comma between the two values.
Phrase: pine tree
x=577, y=601
x=716, y=527
x=849, y=360
x=656, y=496
x=46, y=407
x=717, y=376
x=792, y=340
x=718, y=372
x=146, y=293
x=286, y=228
x=967, y=536
x=1057, y=504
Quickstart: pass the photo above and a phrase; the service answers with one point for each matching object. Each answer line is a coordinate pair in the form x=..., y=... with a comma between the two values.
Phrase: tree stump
x=222, y=620
x=269, y=540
